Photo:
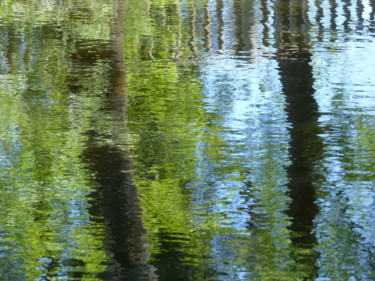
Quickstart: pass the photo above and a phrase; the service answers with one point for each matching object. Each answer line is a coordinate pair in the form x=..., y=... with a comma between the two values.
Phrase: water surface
x=191, y=140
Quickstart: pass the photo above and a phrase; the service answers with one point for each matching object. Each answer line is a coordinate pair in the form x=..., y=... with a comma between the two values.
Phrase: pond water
x=187, y=140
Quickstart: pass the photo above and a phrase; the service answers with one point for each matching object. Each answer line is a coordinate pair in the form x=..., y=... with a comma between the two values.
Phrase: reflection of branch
x=372, y=13
x=118, y=58
x=151, y=49
x=291, y=22
x=193, y=40
x=305, y=11
x=178, y=51
x=219, y=12
x=163, y=14
x=207, y=27
x=360, y=9
x=151, y=37
x=265, y=15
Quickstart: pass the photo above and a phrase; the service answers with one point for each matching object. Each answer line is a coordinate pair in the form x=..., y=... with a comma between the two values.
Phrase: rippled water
x=191, y=140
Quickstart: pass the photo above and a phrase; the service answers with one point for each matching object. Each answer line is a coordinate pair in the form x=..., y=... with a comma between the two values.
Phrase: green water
x=187, y=140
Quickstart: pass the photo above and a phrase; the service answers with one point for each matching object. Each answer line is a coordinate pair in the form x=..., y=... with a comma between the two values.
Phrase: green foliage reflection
x=46, y=230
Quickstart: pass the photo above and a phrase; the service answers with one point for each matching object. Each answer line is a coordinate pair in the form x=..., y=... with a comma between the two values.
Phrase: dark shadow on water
x=296, y=76
x=116, y=200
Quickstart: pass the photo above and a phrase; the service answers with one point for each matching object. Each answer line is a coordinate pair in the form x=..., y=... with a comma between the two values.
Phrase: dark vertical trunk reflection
x=319, y=19
x=116, y=198
x=360, y=9
x=296, y=77
x=333, y=14
x=345, y=24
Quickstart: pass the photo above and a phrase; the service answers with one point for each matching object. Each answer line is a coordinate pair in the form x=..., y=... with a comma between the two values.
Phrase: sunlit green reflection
x=46, y=230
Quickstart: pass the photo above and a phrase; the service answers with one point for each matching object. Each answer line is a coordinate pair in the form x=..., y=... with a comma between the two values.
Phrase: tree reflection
x=343, y=223
x=53, y=89
x=296, y=75
x=191, y=140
